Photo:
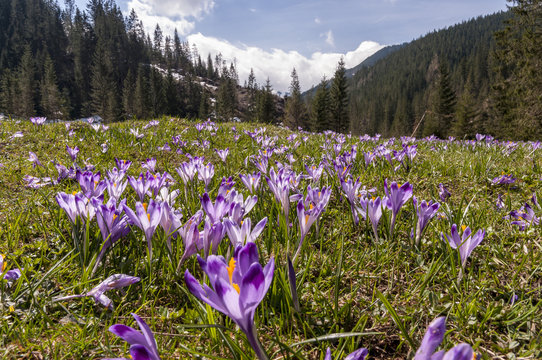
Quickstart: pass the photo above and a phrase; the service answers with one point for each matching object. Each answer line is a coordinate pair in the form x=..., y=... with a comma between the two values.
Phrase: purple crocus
x=223, y=154
x=146, y=217
x=76, y=206
x=396, y=197
x=240, y=235
x=140, y=185
x=72, y=152
x=149, y=164
x=350, y=189
x=504, y=179
x=38, y=120
x=10, y=275
x=123, y=165
x=116, y=281
x=425, y=212
x=359, y=354
x=187, y=171
x=212, y=236
x=524, y=217
x=206, y=173
x=238, y=287
x=113, y=225
x=252, y=182
x=115, y=189
x=443, y=192
x=315, y=172
x=191, y=237
x=90, y=183
x=33, y=158
x=432, y=339
x=142, y=344
x=374, y=210
x=215, y=211
x=170, y=222
x=466, y=243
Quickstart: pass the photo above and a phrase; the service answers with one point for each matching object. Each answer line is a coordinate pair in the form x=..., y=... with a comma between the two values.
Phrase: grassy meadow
x=356, y=285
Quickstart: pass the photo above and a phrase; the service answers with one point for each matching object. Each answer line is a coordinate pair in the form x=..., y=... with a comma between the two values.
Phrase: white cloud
x=277, y=64
x=329, y=38
x=171, y=14
x=318, y=21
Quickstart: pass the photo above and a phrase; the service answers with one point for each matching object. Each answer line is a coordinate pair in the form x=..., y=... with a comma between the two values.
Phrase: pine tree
x=320, y=108
x=252, y=88
x=226, y=101
x=52, y=103
x=266, y=106
x=141, y=99
x=204, y=107
x=171, y=104
x=156, y=93
x=295, y=116
x=26, y=81
x=128, y=95
x=516, y=94
x=447, y=100
x=339, y=100
x=467, y=112
x=8, y=92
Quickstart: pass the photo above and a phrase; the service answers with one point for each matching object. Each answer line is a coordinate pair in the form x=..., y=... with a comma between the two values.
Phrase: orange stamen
x=231, y=268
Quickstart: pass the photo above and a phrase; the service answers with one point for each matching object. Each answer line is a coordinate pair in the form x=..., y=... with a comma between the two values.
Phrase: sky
x=274, y=36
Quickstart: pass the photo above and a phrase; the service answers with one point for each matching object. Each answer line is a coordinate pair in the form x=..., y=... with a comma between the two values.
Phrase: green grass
x=354, y=292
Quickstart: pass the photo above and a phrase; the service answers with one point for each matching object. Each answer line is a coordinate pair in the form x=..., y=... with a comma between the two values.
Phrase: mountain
x=373, y=59
x=445, y=75
x=370, y=61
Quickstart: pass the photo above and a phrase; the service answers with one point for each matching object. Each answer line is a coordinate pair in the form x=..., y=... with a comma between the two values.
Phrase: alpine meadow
x=157, y=202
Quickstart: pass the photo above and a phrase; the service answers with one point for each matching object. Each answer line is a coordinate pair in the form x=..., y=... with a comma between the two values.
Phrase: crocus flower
x=212, y=236
x=315, y=172
x=396, y=197
x=116, y=281
x=466, y=243
x=10, y=275
x=115, y=189
x=350, y=189
x=359, y=354
x=76, y=206
x=191, y=237
x=223, y=154
x=240, y=207
x=149, y=164
x=280, y=186
x=215, y=211
x=524, y=217
x=443, y=192
x=306, y=217
x=374, y=210
x=170, y=222
x=33, y=158
x=432, y=339
x=504, y=179
x=252, y=182
x=123, y=165
x=38, y=120
x=425, y=212
x=72, y=152
x=140, y=185
x=113, y=225
x=206, y=173
x=146, y=217
x=240, y=235
x=187, y=171
x=238, y=287
x=142, y=344
x=90, y=183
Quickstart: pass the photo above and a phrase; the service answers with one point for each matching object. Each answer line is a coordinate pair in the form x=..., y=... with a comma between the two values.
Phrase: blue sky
x=274, y=36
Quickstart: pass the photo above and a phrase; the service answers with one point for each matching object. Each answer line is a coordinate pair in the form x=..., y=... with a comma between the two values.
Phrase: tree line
x=70, y=63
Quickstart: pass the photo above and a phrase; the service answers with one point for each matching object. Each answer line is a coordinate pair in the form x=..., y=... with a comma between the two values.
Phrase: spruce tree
x=339, y=100
x=52, y=103
x=26, y=81
x=295, y=116
x=516, y=94
x=128, y=95
x=446, y=100
x=320, y=115
x=266, y=106
x=141, y=99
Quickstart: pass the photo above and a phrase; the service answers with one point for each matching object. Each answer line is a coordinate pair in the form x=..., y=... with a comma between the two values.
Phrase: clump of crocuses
x=238, y=287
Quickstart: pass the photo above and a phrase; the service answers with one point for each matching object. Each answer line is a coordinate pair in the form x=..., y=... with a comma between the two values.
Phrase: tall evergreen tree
x=52, y=103
x=339, y=100
x=516, y=94
x=141, y=98
x=320, y=108
x=266, y=106
x=296, y=112
x=26, y=81
x=128, y=95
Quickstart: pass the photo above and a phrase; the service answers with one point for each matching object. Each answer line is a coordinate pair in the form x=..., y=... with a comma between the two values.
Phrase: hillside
x=391, y=96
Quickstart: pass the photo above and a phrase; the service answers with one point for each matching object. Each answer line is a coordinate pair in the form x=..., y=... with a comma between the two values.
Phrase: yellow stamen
x=306, y=218
x=74, y=193
x=373, y=198
x=114, y=184
x=11, y=308
x=114, y=216
x=463, y=227
x=231, y=268
x=149, y=217
x=311, y=206
x=319, y=193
